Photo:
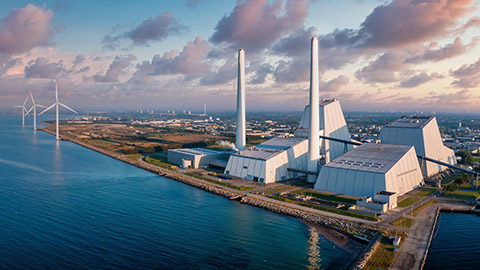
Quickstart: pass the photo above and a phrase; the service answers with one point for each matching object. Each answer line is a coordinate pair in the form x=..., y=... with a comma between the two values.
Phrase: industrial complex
x=322, y=150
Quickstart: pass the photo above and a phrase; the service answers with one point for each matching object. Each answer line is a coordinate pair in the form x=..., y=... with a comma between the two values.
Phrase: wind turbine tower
x=24, y=110
x=56, y=104
x=34, y=108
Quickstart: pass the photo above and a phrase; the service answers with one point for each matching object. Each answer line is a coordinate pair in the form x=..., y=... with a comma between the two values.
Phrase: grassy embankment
x=134, y=156
x=407, y=202
x=462, y=194
x=158, y=160
x=383, y=256
x=326, y=197
x=219, y=183
x=403, y=222
x=327, y=209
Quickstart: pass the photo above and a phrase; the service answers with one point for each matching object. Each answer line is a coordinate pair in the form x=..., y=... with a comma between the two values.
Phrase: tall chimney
x=313, y=132
x=241, y=136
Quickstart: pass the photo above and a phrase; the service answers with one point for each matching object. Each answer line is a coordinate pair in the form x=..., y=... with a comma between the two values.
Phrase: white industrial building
x=268, y=162
x=370, y=168
x=197, y=157
x=332, y=124
x=424, y=135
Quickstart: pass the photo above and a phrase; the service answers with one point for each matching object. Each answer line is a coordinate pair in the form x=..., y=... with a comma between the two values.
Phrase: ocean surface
x=456, y=243
x=64, y=206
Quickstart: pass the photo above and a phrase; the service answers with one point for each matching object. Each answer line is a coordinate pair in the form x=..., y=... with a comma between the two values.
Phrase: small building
x=370, y=168
x=366, y=204
x=424, y=135
x=269, y=161
x=196, y=157
x=390, y=198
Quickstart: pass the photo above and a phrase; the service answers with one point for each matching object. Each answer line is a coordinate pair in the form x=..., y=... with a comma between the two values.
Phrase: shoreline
x=330, y=227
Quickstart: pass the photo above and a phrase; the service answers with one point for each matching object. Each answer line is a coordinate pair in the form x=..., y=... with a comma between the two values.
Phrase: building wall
x=427, y=142
x=244, y=167
x=198, y=160
x=404, y=176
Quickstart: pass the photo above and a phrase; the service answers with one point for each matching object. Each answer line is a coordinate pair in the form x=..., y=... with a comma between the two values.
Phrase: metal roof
x=270, y=148
x=371, y=157
x=196, y=151
x=410, y=122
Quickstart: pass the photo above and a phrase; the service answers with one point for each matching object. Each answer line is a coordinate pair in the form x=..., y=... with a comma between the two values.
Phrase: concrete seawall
x=430, y=237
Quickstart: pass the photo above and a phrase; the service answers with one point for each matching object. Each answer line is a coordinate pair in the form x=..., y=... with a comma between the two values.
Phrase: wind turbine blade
x=27, y=113
x=48, y=108
x=41, y=106
x=66, y=107
x=31, y=96
x=56, y=91
x=25, y=101
x=30, y=109
x=17, y=106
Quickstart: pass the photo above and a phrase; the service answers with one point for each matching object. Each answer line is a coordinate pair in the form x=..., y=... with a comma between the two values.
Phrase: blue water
x=64, y=206
x=456, y=243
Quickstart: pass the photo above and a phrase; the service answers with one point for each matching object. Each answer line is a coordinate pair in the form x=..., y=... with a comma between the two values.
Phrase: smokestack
x=313, y=132
x=241, y=136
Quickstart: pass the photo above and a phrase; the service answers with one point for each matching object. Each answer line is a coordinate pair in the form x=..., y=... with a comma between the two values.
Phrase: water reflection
x=314, y=259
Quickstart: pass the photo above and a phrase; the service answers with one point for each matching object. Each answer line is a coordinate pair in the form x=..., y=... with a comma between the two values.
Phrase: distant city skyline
x=400, y=55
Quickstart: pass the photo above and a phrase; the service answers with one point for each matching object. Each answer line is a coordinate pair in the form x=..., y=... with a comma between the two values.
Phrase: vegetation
x=327, y=209
x=425, y=192
x=241, y=188
x=407, y=202
x=458, y=181
x=325, y=196
x=383, y=256
x=467, y=157
x=158, y=162
x=462, y=194
x=134, y=156
x=419, y=209
x=403, y=222
x=476, y=159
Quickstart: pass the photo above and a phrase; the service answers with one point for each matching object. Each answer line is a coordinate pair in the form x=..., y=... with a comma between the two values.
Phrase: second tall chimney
x=313, y=132
x=241, y=135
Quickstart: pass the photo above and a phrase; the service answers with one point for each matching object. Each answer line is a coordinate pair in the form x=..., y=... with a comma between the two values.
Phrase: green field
x=425, y=192
x=325, y=196
x=327, y=209
x=462, y=194
x=158, y=161
x=383, y=256
x=407, y=202
x=134, y=156
x=476, y=159
x=403, y=222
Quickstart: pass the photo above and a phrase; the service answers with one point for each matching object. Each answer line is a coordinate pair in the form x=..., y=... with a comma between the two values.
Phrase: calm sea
x=456, y=243
x=64, y=206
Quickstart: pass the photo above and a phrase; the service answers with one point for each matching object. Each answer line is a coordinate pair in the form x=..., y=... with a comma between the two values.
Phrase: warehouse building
x=424, y=135
x=370, y=168
x=268, y=162
x=197, y=157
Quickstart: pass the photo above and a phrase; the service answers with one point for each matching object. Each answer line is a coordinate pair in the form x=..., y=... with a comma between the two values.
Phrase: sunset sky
x=402, y=55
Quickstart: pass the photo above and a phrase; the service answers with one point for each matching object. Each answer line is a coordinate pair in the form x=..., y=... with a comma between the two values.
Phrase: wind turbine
x=34, y=108
x=24, y=110
x=56, y=108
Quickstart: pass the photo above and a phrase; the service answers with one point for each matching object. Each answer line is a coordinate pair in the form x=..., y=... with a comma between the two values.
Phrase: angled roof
x=410, y=122
x=371, y=157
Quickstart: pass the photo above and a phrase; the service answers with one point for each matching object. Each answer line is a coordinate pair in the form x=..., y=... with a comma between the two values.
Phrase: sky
x=398, y=55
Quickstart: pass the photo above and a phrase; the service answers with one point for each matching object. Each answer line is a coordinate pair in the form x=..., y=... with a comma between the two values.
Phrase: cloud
x=24, y=29
x=293, y=71
x=451, y=50
x=401, y=23
x=468, y=76
x=41, y=68
x=261, y=71
x=385, y=69
x=117, y=68
x=334, y=85
x=256, y=24
x=151, y=29
x=226, y=73
x=192, y=3
x=295, y=44
x=189, y=62
x=419, y=79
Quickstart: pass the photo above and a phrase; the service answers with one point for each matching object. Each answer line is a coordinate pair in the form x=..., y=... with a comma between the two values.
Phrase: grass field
x=462, y=194
x=425, y=192
x=476, y=159
x=327, y=209
x=403, y=222
x=325, y=196
x=383, y=256
x=407, y=202
x=158, y=162
x=134, y=156
x=419, y=209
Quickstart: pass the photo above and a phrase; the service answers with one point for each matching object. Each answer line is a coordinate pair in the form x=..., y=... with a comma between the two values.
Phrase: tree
x=467, y=158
